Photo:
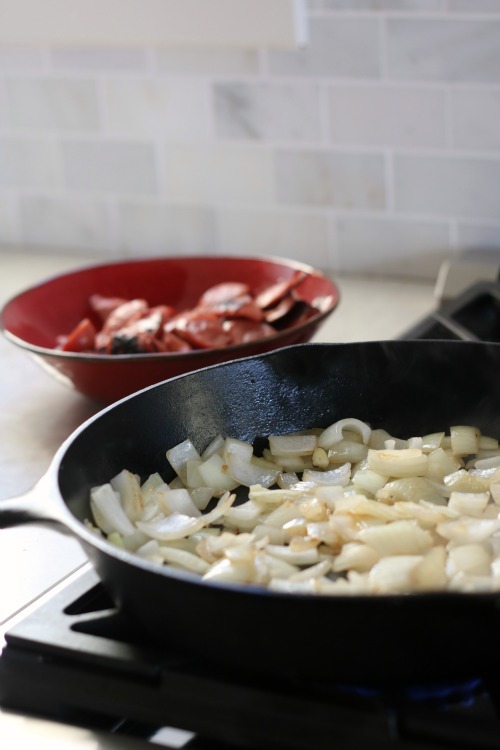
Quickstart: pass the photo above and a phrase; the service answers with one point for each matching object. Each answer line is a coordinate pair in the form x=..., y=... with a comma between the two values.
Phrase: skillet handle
x=35, y=506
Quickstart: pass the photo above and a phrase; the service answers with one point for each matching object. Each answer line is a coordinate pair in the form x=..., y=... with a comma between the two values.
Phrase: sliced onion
x=405, y=462
x=469, y=503
x=468, y=530
x=430, y=573
x=128, y=487
x=182, y=559
x=471, y=559
x=334, y=433
x=292, y=445
x=393, y=574
x=176, y=501
x=215, y=473
x=175, y=526
x=397, y=538
x=403, y=515
x=179, y=455
x=246, y=473
x=108, y=512
x=339, y=476
x=464, y=440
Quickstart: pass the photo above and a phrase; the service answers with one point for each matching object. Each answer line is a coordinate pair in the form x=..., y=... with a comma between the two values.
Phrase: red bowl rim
x=173, y=356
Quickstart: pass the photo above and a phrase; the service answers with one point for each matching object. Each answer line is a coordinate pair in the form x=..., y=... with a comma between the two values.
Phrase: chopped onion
x=334, y=433
x=215, y=473
x=403, y=462
x=175, y=526
x=292, y=445
x=176, y=501
x=366, y=512
x=108, y=512
x=464, y=440
x=339, y=476
x=128, y=487
x=179, y=455
x=397, y=538
x=244, y=472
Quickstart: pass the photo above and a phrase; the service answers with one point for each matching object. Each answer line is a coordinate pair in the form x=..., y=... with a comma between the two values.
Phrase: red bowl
x=35, y=318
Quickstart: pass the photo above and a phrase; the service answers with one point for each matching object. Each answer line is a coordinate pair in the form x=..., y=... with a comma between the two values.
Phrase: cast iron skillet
x=408, y=387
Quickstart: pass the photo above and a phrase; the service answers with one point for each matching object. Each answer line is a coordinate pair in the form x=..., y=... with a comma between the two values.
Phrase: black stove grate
x=76, y=659
x=474, y=315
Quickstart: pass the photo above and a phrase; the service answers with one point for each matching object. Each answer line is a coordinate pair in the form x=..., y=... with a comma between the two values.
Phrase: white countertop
x=38, y=413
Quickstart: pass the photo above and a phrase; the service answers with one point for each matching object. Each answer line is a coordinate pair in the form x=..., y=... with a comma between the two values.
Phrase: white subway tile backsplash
x=339, y=47
x=375, y=147
x=298, y=235
x=478, y=236
x=443, y=49
x=14, y=58
x=447, y=186
x=52, y=104
x=3, y=105
x=325, y=178
x=30, y=163
x=66, y=223
x=212, y=174
x=393, y=246
x=99, y=59
x=9, y=220
x=414, y=6
x=474, y=6
x=387, y=115
x=205, y=61
x=268, y=111
x=110, y=167
x=155, y=106
x=152, y=229
x=476, y=118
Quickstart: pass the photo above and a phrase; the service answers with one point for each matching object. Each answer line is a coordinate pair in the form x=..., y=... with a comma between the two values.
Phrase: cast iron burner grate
x=76, y=659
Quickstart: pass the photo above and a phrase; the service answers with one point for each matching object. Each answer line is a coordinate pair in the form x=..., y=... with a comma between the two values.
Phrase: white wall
x=375, y=148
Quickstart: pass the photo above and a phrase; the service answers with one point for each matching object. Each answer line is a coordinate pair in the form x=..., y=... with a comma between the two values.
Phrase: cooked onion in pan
x=342, y=510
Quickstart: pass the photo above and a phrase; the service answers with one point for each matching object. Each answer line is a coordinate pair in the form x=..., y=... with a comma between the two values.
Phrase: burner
x=439, y=694
x=77, y=659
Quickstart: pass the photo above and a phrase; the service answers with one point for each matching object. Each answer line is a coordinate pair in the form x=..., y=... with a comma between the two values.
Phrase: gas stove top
x=77, y=660
x=473, y=315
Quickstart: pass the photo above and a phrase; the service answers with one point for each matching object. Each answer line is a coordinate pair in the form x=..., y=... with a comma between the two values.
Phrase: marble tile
x=476, y=118
x=9, y=219
x=173, y=109
x=268, y=111
x=298, y=235
x=147, y=228
x=66, y=223
x=52, y=104
x=387, y=115
x=339, y=47
x=443, y=49
x=208, y=174
x=325, y=178
x=447, y=186
x=30, y=163
x=107, y=166
x=99, y=59
x=392, y=246
x=205, y=61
